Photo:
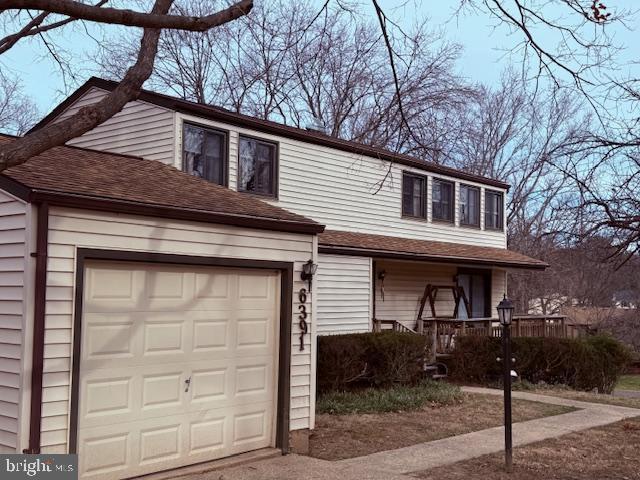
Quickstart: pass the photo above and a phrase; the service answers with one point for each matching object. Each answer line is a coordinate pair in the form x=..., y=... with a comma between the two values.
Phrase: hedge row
x=588, y=363
x=348, y=362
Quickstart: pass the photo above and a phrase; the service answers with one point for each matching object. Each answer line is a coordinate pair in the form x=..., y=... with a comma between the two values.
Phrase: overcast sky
x=483, y=59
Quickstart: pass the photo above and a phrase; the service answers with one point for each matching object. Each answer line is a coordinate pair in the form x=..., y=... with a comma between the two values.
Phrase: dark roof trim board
x=266, y=126
x=421, y=257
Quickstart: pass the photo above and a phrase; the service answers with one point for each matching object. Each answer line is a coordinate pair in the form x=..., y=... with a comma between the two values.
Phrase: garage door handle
x=187, y=383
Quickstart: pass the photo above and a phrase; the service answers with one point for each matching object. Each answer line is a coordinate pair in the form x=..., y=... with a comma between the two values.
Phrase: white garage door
x=178, y=366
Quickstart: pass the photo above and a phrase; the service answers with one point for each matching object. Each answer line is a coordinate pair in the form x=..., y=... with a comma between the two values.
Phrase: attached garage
x=149, y=334
x=178, y=365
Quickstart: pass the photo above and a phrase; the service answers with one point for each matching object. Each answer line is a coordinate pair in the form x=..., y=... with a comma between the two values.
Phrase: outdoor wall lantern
x=505, y=315
x=308, y=271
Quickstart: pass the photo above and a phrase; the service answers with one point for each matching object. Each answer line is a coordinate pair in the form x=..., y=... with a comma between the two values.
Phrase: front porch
x=444, y=331
x=372, y=282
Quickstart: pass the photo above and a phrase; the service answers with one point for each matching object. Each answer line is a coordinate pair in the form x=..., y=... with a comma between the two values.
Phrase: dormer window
x=469, y=206
x=442, y=200
x=494, y=210
x=204, y=153
x=257, y=166
x=414, y=193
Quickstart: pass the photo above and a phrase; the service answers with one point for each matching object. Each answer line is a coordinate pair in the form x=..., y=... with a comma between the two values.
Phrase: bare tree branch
x=132, y=18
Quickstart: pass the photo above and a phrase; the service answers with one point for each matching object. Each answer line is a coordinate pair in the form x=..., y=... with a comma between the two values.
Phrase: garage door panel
x=108, y=396
x=112, y=289
x=215, y=328
x=109, y=338
x=145, y=446
x=164, y=338
x=109, y=452
x=219, y=287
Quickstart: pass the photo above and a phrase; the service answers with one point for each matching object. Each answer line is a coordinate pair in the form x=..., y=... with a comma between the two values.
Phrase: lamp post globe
x=505, y=311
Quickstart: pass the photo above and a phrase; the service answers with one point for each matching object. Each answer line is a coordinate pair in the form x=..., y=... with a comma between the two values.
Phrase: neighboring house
x=159, y=318
x=626, y=299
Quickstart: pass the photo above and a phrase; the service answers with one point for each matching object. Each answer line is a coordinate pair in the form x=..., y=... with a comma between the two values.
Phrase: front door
x=477, y=288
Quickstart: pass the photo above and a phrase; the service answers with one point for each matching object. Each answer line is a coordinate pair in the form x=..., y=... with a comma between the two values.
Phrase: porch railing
x=445, y=331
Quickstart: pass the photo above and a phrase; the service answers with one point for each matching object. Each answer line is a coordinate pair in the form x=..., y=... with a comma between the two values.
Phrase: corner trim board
x=40, y=298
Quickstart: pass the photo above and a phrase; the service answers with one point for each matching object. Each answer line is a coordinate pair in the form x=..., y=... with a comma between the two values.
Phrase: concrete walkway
x=397, y=464
x=463, y=447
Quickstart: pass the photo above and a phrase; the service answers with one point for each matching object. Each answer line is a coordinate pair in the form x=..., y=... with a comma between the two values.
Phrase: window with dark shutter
x=204, y=153
x=257, y=167
x=494, y=210
x=469, y=206
x=442, y=200
x=413, y=195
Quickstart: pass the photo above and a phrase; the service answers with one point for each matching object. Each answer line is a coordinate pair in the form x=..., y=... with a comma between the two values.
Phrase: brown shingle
x=396, y=247
x=122, y=178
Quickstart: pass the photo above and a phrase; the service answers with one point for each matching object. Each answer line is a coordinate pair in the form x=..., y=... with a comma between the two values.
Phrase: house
x=152, y=319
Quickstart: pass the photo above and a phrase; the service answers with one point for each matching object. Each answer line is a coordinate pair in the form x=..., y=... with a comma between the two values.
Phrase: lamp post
x=505, y=315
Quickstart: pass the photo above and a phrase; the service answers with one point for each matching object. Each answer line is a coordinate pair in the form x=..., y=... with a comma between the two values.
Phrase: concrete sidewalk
x=463, y=447
x=396, y=464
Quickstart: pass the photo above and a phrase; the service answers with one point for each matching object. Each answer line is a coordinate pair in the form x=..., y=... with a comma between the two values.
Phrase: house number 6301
x=304, y=328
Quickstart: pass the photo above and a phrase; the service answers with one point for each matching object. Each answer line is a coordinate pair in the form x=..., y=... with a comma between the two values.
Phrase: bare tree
x=571, y=44
x=17, y=112
x=152, y=22
x=293, y=63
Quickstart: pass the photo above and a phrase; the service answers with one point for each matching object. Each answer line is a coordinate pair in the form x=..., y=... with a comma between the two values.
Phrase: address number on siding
x=302, y=317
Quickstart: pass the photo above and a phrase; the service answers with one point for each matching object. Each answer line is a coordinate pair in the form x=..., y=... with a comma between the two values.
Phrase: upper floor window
x=494, y=210
x=204, y=153
x=469, y=206
x=414, y=188
x=257, y=167
x=442, y=200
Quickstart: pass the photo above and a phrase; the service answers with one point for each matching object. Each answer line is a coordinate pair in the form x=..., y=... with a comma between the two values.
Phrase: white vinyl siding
x=339, y=189
x=404, y=286
x=344, y=294
x=342, y=190
x=498, y=289
x=71, y=229
x=140, y=129
x=13, y=300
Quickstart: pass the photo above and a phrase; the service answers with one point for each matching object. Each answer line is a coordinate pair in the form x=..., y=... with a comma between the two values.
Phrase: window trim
x=275, y=170
x=225, y=148
x=452, y=221
x=488, y=191
x=479, y=190
x=425, y=181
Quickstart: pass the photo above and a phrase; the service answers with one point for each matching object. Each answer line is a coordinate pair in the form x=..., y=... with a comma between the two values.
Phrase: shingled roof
x=383, y=246
x=104, y=181
x=267, y=126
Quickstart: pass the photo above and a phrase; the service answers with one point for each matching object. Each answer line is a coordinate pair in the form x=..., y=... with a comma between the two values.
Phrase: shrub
x=394, y=399
x=353, y=361
x=588, y=363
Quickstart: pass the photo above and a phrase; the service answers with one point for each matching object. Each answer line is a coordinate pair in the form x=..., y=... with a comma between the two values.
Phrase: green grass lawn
x=400, y=398
x=629, y=382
